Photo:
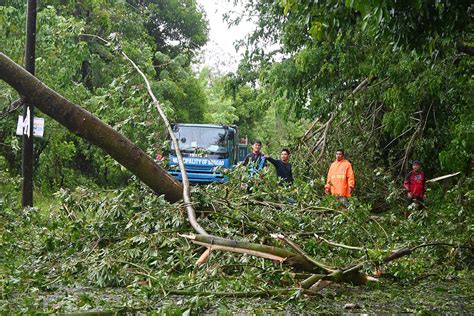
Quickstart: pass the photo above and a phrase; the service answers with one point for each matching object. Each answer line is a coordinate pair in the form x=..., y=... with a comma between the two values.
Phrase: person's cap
x=256, y=141
x=416, y=162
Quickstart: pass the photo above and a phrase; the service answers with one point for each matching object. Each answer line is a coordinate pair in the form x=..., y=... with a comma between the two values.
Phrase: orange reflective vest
x=340, y=178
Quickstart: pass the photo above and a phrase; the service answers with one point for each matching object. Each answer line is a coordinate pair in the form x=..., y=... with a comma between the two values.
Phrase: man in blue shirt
x=256, y=159
x=255, y=162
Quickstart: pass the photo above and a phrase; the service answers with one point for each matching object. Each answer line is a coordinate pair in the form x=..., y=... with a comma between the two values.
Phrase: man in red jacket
x=415, y=183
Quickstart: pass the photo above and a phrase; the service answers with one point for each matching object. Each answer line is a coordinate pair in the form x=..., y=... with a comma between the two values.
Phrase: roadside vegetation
x=387, y=82
x=121, y=250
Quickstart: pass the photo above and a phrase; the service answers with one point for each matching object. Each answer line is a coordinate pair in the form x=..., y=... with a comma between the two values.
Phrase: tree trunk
x=269, y=252
x=89, y=127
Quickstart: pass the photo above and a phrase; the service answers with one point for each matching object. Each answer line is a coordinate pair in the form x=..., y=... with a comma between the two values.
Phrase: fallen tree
x=86, y=125
x=89, y=127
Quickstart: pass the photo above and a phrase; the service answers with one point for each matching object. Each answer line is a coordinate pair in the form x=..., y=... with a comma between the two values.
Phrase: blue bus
x=206, y=149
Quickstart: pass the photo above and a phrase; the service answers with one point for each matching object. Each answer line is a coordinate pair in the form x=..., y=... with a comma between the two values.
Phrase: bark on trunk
x=89, y=127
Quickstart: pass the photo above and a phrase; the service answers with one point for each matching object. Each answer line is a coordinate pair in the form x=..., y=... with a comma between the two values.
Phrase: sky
x=219, y=53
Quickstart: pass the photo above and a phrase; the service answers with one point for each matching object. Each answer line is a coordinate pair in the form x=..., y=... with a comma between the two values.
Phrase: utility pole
x=27, y=138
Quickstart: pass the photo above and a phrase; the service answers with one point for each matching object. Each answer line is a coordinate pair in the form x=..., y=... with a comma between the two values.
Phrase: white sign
x=23, y=126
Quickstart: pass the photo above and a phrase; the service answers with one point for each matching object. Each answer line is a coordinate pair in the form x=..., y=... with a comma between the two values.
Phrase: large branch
x=186, y=191
x=302, y=253
x=399, y=253
x=86, y=125
x=264, y=251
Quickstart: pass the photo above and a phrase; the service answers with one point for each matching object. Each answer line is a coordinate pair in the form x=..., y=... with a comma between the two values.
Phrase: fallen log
x=84, y=124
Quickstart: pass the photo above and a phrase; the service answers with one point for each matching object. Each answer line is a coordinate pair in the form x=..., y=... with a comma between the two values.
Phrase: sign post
x=27, y=139
x=23, y=126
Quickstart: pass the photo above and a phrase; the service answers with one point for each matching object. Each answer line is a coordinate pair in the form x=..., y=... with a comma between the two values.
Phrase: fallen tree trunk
x=86, y=125
x=299, y=260
x=264, y=251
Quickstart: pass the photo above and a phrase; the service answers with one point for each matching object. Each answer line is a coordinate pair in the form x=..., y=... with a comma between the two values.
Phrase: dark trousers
x=417, y=200
x=418, y=205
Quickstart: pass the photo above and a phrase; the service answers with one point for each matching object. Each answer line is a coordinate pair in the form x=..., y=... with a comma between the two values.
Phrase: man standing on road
x=415, y=184
x=283, y=167
x=340, y=181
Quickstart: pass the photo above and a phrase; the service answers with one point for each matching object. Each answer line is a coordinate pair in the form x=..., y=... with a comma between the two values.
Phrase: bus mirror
x=230, y=135
x=183, y=140
x=175, y=127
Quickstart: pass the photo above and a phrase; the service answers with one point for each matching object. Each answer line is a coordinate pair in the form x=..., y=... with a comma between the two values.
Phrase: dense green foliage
x=127, y=241
x=417, y=103
x=389, y=81
x=74, y=62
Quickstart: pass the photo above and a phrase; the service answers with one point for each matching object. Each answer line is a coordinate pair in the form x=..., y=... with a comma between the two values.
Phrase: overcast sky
x=220, y=53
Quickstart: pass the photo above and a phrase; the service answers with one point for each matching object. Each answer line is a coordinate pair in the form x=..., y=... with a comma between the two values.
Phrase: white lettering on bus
x=198, y=161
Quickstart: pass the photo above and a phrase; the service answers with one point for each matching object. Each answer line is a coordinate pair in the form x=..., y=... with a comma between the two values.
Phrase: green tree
x=74, y=61
x=220, y=109
x=390, y=80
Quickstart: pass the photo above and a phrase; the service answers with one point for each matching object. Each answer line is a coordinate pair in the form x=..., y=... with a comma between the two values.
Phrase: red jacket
x=415, y=183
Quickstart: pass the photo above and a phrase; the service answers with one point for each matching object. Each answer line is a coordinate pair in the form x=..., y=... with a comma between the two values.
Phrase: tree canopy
x=410, y=60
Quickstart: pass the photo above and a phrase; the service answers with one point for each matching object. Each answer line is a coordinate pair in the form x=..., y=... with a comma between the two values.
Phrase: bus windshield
x=193, y=139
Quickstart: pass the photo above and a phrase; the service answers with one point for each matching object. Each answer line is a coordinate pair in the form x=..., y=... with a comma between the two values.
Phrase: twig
x=308, y=233
x=268, y=203
x=360, y=87
x=406, y=131
x=52, y=282
x=324, y=137
x=310, y=131
x=134, y=265
x=241, y=250
x=12, y=107
x=320, y=208
x=337, y=244
x=386, y=235
x=435, y=244
x=418, y=132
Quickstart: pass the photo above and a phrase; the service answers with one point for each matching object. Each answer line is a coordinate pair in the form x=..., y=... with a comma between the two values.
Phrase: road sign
x=23, y=126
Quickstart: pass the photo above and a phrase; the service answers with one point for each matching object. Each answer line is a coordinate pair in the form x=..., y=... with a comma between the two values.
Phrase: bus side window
x=231, y=150
x=236, y=149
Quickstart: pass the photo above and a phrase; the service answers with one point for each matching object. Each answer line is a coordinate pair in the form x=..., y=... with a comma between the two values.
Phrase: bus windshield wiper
x=194, y=149
x=188, y=150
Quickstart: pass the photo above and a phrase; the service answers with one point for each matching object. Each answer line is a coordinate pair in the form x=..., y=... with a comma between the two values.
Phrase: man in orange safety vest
x=340, y=181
